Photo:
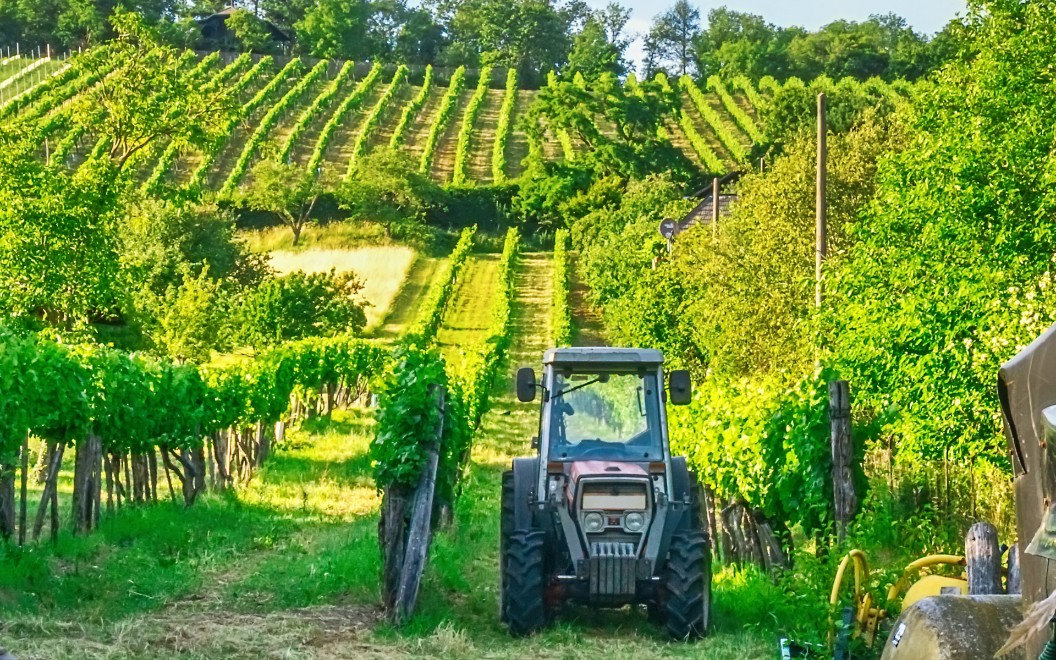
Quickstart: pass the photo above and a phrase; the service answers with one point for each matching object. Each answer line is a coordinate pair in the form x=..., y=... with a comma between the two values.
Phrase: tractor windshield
x=605, y=417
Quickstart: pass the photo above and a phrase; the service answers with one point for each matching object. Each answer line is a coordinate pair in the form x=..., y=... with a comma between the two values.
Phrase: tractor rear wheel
x=523, y=597
x=687, y=586
x=506, y=525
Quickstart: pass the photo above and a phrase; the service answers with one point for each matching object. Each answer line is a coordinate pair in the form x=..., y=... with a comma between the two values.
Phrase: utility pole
x=819, y=220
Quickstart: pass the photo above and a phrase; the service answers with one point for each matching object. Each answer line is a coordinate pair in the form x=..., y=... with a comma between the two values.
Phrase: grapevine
x=737, y=112
x=560, y=315
x=443, y=116
x=373, y=119
x=469, y=117
x=502, y=131
x=351, y=102
x=721, y=130
x=411, y=110
x=707, y=155
x=754, y=97
x=270, y=119
x=311, y=112
x=291, y=68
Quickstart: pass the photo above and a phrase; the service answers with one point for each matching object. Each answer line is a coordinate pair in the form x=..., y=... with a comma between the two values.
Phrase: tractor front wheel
x=687, y=586
x=524, y=581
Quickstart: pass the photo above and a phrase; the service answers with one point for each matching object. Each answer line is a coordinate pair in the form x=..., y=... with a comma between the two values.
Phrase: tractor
x=603, y=515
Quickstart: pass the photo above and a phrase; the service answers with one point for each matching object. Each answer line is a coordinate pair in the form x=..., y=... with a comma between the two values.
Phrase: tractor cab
x=612, y=515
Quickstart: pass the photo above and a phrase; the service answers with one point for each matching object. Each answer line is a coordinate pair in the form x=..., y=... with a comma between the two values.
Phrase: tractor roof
x=602, y=356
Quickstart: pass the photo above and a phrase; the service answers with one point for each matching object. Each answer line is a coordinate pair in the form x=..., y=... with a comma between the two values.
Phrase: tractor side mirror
x=680, y=387
x=526, y=384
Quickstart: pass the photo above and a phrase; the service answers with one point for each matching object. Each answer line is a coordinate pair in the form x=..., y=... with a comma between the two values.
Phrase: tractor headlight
x=634, y=521
x=593, y=522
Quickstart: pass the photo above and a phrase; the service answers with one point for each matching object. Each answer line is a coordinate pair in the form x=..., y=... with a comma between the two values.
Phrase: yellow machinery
x=867, y=613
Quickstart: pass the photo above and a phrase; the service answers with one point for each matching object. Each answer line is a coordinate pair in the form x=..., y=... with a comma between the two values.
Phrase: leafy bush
x=299, y=305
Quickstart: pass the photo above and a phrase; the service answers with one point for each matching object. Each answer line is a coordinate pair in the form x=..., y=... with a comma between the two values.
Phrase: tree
x=636, y=147
x=58, y=237
x=592, y=53
x=302, y=305
x=251, y=33
x=191, y=319
x=285, y=189
x=150, y=96
x=387, y=187
x=532, y=36
x=951, y=268
x=737, y=43
x=335, y=29
x=673, y=36
x=163, y=241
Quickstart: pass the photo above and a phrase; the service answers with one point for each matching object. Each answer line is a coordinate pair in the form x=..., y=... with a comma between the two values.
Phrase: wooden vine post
x=845, y=500
x=420, y=532
x=982, y=553
x=405, y=530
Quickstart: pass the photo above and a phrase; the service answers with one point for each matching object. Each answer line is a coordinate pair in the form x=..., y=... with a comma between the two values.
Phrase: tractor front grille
x=612, y=568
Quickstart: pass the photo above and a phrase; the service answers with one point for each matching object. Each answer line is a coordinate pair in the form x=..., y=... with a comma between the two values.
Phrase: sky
x=927, y=16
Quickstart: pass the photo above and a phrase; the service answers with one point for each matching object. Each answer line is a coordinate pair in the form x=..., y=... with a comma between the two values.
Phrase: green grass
x=408, y=301
x=469, y=313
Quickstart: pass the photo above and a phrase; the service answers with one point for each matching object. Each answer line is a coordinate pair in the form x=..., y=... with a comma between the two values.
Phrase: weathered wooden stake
x=844, y=497
x=418, y=536
x=1012, y=584
x=715, y=207
x=983, y=556
x=819, y=201
x=22, y=504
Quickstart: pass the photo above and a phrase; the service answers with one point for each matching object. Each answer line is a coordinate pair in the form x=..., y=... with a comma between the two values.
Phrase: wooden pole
x=819, y=203
x=22, y=505
x=844, y=497
x=1012, y=583
x=983, y=556
x=715, y=207
x=418, y=535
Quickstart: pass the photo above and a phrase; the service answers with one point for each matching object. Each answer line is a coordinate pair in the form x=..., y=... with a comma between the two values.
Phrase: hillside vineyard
x=460, y=125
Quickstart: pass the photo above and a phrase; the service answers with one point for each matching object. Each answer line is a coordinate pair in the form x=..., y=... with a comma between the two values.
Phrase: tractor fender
x=525, y=473
x=954, y=628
